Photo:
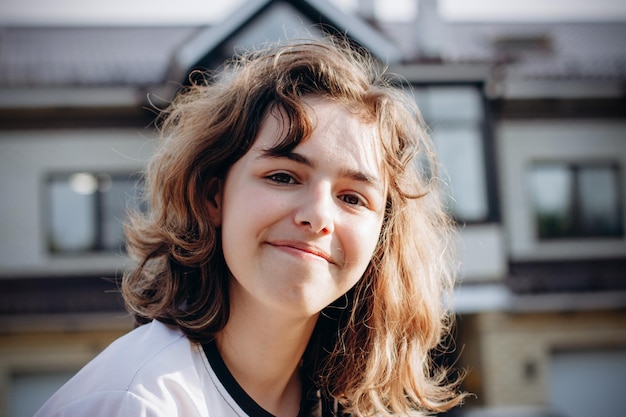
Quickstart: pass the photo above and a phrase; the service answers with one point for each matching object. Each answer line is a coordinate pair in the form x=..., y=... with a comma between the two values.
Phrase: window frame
x=486, y=129
x=99, y=243
x=574, y=168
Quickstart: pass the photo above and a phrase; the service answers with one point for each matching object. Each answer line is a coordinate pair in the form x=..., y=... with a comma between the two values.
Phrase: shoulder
x=150, y=350
x=154, y=367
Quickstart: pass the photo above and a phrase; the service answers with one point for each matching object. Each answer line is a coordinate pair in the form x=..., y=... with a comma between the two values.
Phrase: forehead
x=321, y=114
x=333, y=125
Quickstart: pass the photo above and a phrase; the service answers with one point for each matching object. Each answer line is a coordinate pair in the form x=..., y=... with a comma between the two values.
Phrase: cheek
x=247, y=214
x=364, y=238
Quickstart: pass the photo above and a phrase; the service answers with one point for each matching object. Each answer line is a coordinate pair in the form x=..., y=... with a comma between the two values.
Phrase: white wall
x=482, y=253
x=25, y=159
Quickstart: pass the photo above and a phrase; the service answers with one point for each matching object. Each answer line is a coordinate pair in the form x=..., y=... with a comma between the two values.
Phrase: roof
x=143, y=57
x=87, y=56
x=564, y=50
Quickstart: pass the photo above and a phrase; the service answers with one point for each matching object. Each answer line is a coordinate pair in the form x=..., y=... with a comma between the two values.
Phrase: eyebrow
x=301, y=159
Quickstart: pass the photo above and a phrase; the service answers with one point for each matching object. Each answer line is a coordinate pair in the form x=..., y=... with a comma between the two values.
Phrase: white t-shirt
x=153, y=371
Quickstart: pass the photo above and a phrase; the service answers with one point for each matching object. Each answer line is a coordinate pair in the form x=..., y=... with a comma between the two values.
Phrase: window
x=573, y=200
x=86, y=210
x=456, y=117
x=29, y=391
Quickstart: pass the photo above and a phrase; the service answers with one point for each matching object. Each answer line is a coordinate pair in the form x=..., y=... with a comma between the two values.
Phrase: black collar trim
x=229, y=382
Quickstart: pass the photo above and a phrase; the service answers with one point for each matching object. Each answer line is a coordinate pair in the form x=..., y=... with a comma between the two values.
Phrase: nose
x=316, y=210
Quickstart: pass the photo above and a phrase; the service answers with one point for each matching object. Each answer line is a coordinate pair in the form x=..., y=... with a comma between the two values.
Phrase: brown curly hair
x=373, y=355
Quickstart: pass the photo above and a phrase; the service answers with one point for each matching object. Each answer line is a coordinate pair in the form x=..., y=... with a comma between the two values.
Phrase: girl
x=295, y=259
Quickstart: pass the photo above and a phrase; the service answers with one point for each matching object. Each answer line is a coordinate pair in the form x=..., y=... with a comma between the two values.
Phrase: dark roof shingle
x=94, y=56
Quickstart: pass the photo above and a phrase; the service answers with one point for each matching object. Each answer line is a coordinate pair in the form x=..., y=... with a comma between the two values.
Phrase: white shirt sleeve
x=105, y=404
x=153, y=371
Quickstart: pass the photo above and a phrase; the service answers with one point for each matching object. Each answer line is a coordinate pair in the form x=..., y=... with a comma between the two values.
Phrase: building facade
x=530, y=125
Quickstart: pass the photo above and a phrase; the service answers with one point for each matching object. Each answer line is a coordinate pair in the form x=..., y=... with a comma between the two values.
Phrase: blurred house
x=530, y=123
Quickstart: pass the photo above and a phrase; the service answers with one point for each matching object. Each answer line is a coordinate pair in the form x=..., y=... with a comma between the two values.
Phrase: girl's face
x=298, y=230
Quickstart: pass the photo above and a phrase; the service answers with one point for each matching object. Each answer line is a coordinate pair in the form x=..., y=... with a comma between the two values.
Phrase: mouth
x=303, y=249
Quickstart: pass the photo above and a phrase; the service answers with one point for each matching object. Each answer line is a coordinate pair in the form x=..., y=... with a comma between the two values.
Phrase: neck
x=263, y=352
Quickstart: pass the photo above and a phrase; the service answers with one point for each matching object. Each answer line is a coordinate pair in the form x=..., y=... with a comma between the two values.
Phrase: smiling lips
x=303, y=247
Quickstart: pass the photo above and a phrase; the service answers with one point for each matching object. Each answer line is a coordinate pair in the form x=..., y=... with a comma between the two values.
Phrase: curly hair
x=371, y=351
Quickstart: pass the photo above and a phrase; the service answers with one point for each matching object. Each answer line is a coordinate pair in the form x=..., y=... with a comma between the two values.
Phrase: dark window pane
x=599, y=201
x=551, y=191
x=117, y=195
x=576, y=199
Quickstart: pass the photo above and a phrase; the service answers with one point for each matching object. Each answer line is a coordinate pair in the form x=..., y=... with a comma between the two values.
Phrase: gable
x=259, y=22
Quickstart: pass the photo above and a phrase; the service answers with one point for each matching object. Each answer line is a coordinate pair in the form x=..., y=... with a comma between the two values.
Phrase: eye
x=352, y=199
x=281, y=178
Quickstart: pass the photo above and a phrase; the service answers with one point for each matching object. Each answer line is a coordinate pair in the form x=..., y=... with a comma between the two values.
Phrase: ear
x=214, y=201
